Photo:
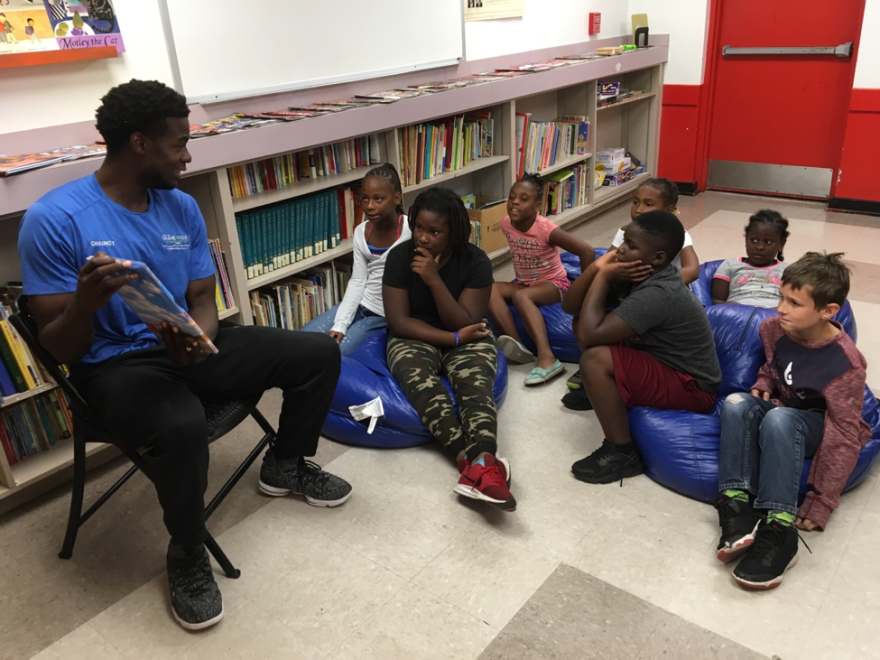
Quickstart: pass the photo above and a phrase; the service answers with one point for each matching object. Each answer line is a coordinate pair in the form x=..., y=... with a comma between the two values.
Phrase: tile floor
x=405, y=570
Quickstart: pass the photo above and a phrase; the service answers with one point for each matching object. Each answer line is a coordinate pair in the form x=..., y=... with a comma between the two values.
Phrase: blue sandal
x=537, y=375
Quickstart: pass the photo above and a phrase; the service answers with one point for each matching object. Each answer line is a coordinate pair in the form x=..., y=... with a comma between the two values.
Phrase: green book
x=12, y=365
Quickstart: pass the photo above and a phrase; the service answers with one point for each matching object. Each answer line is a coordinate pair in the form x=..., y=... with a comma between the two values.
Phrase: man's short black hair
x=138, y=106
x=664, y=230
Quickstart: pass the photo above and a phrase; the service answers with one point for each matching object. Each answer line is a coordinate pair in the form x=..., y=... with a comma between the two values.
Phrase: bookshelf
x=632, y=123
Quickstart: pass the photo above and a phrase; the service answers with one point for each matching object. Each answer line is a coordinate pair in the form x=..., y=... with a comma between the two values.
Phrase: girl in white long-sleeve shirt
x=361, y=310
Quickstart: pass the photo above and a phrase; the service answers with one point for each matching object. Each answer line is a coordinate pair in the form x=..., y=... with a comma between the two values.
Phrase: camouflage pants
x=470, y=369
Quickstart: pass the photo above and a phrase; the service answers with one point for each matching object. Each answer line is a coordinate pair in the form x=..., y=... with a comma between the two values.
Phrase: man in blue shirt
x=73, y=242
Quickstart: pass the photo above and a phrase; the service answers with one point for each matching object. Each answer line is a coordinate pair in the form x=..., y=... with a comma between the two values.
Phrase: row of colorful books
x=294, y=301
x=273, y=237
x=541, y=144
x=430, y=149
x=223, y=290
x=282, y=171
x=34, y=425
x=566, y=189
x=19, y=371
x=17, y=163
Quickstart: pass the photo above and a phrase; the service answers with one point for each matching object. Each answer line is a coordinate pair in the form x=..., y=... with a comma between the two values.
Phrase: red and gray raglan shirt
x=828, y=377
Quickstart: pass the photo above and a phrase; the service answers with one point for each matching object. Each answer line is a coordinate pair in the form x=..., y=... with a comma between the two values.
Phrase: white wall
x=49, y=95
x=868, y=65
x=686, y=22
x=546, y=23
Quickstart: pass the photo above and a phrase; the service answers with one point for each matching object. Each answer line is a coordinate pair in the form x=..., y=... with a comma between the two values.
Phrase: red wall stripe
x=679, y=126
x=862, y=100
x=858, y=178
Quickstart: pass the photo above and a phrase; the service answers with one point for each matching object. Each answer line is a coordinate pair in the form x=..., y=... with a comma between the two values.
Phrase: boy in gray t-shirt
x=655, y=349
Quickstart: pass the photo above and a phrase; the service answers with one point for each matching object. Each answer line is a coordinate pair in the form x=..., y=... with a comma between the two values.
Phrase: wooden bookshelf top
x=18, y=192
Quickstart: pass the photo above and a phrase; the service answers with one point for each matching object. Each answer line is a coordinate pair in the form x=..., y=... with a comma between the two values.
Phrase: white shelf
x=562, y=164
x=17, y=398
x=345, y=247
x=607, y=193
x=48, y=462
x=473, y=166
x=225, y=314
x=638, y=96
x=297, y=189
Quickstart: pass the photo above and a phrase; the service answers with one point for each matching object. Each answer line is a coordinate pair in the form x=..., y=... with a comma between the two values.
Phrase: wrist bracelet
x=456, y=338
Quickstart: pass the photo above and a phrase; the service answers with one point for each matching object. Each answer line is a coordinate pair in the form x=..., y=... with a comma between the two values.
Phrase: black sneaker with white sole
x=195, y=596
x=301, y=477
x=738, y=521
x=771, y=555
x=577, y=400
x=608, y=464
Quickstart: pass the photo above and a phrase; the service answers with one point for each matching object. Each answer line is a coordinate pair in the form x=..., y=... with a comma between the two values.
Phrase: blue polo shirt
x=71, y=223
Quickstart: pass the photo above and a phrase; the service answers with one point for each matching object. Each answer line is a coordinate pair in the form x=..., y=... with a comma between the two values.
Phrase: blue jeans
x=363, y=323
x=763, y=449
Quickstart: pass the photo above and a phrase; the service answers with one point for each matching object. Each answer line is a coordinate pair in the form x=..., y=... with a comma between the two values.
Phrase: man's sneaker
x=488, y=481
x=301, y=477
x=195, y=597
x=738, y=521
x=608, y=464
x=577, y=400
x=771, y=555
x=576, y=382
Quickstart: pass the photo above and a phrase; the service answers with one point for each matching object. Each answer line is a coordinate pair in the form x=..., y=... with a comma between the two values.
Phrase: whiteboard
x=226, y=49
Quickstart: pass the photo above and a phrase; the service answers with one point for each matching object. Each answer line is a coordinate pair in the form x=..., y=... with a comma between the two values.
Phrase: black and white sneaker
x=301, y=477
x=608, y=464
x=195, y=596
x=577, y=400
x=738, y=521
x=771, y=555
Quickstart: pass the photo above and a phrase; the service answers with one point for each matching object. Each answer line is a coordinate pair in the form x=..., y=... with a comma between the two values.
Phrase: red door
x=777, y=119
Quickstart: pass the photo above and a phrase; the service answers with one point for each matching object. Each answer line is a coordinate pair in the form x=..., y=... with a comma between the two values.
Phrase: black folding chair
x=88, y=427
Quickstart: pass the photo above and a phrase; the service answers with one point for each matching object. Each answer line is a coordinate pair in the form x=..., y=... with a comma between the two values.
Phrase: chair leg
x=222, y=559
x=239, y=472
x=76, y=496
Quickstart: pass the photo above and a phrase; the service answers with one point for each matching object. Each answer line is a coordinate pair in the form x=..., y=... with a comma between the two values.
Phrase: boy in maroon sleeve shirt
x=807, y=402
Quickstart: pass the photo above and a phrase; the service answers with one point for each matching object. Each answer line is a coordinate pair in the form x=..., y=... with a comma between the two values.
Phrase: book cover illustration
x=153, y=303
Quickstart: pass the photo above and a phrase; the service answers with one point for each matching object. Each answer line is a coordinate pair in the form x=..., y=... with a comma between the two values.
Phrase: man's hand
x=97, y=281
x=632, y=271
x=471, y=333
x=760, y=395
x=337, y=335
x=805, y=524
x=425, y=266
x=182, y=348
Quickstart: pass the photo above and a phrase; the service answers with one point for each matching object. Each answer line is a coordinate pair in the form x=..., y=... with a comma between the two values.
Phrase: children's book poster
x=487, y=10
x=28, y=26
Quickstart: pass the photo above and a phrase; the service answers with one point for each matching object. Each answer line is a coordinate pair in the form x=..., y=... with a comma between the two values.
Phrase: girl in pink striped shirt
x=540, y=277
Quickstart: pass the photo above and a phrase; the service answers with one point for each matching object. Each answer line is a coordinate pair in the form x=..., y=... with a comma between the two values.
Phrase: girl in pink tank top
x=540, y=278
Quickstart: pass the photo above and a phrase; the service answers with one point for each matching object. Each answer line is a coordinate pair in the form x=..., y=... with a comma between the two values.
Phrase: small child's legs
x=526, y=300
x=763, y=449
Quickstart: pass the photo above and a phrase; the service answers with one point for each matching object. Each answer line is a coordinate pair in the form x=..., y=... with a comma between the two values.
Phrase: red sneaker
x=488, y=483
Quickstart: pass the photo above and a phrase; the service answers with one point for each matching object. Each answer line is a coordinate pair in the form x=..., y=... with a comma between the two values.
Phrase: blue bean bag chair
x=364, y=376
x=558, y=323
x=702, y=288
x=681, y=448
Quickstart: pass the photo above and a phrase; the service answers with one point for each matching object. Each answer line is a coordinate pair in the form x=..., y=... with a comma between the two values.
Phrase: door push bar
x=843, y=50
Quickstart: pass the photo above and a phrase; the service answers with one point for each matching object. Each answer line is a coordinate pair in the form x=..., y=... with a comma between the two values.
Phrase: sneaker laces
x=486, y=475
x=308, y=469
x=729, y=512
x=191, y=579
x=769, y=537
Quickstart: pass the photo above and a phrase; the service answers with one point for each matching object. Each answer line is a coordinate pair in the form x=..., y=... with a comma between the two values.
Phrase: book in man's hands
x=153, y=303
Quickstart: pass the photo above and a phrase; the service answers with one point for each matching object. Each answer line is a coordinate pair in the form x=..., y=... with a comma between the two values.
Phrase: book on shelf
x=273, y=237
x=34, y=425
x=20, y=372
x=548, y=142
x=289, y=169
x=15, y=164
x=294, y=301
x=430, y=149
x=566, y=189
x=223, y=291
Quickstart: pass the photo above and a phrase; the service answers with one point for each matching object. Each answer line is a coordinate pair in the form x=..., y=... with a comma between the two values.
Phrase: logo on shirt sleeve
x=173, y=242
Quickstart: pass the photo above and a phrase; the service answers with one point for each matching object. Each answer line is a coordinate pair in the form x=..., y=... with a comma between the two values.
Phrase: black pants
x=147, y=400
